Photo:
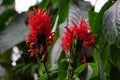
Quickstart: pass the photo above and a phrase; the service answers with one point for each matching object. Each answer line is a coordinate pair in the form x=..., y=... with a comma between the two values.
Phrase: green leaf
x=63, y=10
x=55, y=27
x=5, y=16
x=105, y=55
x=94, y=70
x=14, y=33
x=98, y=21
x=101, y=42
x=115, y=56
x=78, y=70
x=114, y=62
x=105, y=52
x=96, y=56
x=111, y=24
x=62, y=66
x=54, y=1
x=62, y=13
x=92, y=16
x=44, y=4
x=65, y=60
x=44, y=76
x=8, y=2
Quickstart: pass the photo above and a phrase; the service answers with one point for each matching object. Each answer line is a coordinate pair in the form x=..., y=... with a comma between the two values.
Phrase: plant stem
x=46, y=70
x=69, y=71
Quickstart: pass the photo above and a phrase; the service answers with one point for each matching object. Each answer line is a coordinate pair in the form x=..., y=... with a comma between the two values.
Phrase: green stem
x=69, y=72
x=46, y=70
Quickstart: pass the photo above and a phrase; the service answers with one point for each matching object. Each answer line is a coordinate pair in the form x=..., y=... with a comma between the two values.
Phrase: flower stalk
x=46, y=71
x=69, y=72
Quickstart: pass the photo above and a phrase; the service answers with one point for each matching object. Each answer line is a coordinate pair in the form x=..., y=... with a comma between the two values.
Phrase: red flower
x=80, y=34
x=40, y=35
x=81, y=31
x=70, y=35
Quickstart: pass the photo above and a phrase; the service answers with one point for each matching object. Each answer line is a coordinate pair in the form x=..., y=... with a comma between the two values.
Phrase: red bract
x=83, y=30
x=80, y=32
x=40, y=35
x=70, y=35
x=75, y=36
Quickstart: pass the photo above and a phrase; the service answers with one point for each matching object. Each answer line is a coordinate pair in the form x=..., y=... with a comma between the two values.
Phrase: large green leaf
x=92, y=16
x=98, y=20
x=111, y=24
x=105, y=56
x=102, y=56
x=115, y=56
x=63, y=10
x=14, y=33
x=62, y=66
x=115, y=62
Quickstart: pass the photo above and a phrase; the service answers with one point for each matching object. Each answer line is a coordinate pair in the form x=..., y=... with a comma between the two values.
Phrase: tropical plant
x=60, y=40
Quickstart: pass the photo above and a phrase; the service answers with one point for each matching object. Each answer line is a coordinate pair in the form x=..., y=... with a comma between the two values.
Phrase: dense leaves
x=111, y=23
x=96, y=27
x=103, y=58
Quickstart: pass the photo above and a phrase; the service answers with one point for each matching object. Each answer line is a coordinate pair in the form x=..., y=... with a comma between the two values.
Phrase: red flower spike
x=82, y=31
x=40, y=35
x=40, y=22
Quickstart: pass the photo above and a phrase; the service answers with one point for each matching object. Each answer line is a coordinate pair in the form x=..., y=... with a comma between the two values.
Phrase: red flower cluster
x=75, y=33
x=40, y=35
x=81, y=32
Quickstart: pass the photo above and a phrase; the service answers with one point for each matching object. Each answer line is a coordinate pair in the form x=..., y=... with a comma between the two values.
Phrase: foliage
x=102, y=58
